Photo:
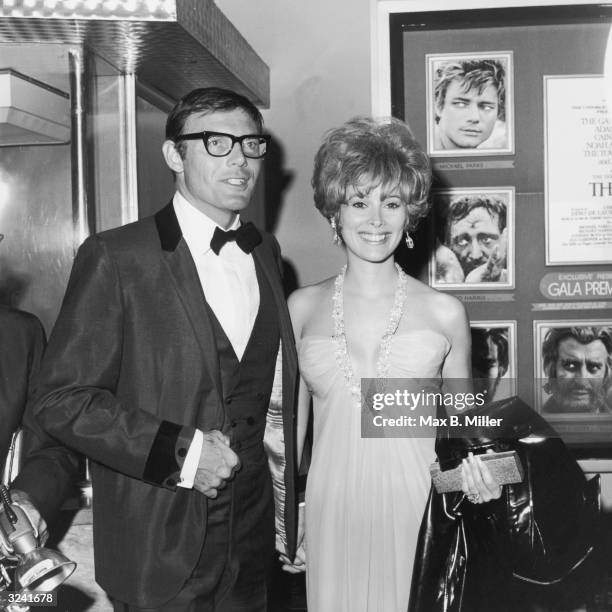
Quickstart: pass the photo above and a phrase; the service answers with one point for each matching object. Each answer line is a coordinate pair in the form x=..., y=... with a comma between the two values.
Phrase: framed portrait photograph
x=572, y=361
x=494, y=358
x=473, y=238
x=470, y=104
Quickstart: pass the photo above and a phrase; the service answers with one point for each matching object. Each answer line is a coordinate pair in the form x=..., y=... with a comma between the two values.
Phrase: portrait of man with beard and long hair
x=576, y=363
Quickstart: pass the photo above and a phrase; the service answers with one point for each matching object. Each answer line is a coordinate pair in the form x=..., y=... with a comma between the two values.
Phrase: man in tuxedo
x=160, y=369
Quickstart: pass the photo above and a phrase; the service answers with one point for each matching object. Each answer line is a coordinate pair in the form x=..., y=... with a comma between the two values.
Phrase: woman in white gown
x=365, y=497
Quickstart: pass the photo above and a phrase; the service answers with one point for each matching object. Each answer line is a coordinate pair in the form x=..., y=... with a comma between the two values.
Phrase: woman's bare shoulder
x=304, y=300
x=444, y=307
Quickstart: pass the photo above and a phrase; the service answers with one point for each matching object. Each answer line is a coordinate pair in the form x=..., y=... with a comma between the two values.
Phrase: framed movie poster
x=470, y=105
x=572, y=370
x=578, y=170
x=494, y=358
x=473, y=235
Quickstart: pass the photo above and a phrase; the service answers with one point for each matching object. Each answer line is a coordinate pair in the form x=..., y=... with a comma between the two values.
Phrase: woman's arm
x=478, y=485
x=299, y=311
x=455, y=324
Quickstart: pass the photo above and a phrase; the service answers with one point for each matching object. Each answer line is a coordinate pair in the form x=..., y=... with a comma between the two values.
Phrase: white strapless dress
x=365, y=497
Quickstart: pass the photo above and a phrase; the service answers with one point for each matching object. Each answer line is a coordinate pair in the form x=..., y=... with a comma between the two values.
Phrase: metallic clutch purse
x=505, y=468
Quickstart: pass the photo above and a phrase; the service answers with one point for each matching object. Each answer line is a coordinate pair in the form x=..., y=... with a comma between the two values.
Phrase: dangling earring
x=336, y=237
x=409, y=241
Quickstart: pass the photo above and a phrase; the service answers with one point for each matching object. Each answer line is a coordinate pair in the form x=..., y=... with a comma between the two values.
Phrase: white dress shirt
x=229, y=282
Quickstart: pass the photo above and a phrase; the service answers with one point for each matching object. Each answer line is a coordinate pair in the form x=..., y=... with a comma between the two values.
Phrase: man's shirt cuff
x=192, y=460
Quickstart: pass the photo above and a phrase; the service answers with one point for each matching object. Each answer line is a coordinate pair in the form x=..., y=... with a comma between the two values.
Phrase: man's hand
x=494, y=270
x=23, y=500
x=218, y=463
x=448, y=268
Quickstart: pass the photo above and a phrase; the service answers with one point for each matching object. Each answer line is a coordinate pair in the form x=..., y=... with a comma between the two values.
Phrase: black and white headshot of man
x=472, y=244
x=469, y=104
x=576, y=363
x=493, y=368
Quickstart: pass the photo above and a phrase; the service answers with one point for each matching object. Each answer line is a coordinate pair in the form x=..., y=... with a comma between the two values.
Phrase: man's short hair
x=584, y=335
x=460, y=208
x=204, y=101
x=475, y=74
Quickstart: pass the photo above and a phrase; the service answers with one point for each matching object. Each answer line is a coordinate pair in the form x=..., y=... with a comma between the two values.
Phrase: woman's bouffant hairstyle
x=365, y=153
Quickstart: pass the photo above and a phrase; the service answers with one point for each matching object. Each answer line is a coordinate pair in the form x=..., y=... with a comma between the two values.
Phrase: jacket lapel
x=265, y=257
x=186, y=282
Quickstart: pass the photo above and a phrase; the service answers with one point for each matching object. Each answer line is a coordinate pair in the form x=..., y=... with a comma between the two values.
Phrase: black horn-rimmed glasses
x=219, y=144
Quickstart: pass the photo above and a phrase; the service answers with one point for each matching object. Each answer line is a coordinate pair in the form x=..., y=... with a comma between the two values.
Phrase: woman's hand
x=476, y=481
x=299, y=563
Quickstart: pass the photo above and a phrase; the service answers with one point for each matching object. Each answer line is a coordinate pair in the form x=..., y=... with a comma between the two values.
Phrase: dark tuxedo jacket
x=48, y=469
x=130, y=369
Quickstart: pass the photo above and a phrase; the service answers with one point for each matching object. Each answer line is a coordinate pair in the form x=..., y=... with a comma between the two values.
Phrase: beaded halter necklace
x=342, y=356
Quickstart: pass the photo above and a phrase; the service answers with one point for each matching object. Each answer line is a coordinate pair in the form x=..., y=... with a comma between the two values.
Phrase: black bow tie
x=247, y=237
